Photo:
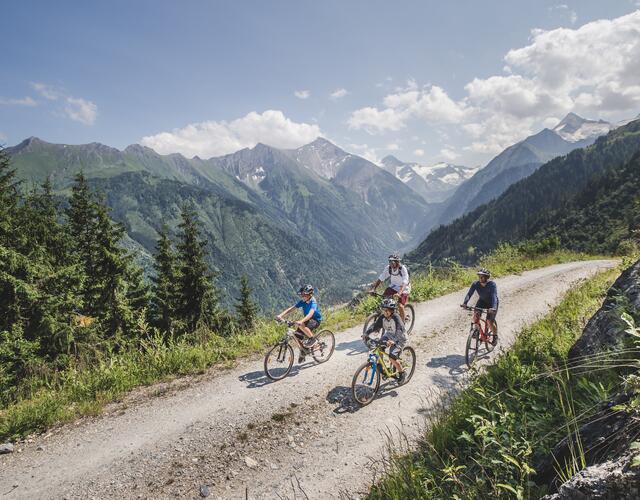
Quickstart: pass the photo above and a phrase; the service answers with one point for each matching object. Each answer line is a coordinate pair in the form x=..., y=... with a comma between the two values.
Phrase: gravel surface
x=235, y=434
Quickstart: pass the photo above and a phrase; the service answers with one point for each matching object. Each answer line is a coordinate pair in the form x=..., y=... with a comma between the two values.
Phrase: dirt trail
x=237, y=435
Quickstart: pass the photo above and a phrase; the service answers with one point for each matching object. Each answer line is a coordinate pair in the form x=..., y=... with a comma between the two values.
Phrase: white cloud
x=564, y=11
x=81, y=110
x=46, y=91
x=215, y=138
x=302, y=94
x=431, y=104
x=3, y=138
x=418, y=152
x=448, y=154
x=338, y=93
x=375, y=121
x=593, y=70
x=25, y=101
x=76, y=108
x=392, y=147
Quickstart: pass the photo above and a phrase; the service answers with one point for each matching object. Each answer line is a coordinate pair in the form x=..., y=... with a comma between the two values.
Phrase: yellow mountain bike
x=366, y=381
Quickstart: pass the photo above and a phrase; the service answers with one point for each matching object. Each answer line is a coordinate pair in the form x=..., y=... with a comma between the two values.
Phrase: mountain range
x=285, y=216
x=519, y=161
x=434, y=183
x=588, y=200
x=264, y=211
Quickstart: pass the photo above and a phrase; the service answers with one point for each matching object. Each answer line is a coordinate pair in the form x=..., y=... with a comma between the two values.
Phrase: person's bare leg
x=396, y=364
x=306, y=331
x=401, y=310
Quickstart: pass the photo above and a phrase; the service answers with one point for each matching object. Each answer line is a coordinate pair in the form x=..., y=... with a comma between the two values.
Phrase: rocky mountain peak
x=573, y=128
x=391, y=161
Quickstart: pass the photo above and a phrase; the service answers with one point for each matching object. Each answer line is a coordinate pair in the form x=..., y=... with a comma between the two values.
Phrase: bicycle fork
x=373, y=361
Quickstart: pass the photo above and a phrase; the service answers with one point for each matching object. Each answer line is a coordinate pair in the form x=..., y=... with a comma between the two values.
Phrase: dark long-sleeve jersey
x=488, y=293
x=393, y=327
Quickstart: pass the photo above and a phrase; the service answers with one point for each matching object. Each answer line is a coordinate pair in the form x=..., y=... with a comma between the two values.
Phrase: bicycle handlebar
x=375, y=342
x=478, y=309
x=285, y=321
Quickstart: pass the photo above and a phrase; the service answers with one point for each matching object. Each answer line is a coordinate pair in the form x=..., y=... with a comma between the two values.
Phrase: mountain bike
x=478, y=335
x=279, y=359
x=366, y=380
x=409, y=316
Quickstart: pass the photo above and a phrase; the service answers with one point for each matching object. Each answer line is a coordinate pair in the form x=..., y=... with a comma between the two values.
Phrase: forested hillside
x=567, y=197
x=264, y=213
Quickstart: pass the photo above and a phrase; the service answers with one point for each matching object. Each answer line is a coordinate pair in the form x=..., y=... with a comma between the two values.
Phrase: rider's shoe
x=310, y=342
x=301, y=357
x=400, y=377
x=494, y=340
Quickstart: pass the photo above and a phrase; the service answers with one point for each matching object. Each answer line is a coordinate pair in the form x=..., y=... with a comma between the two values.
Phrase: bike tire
x=490, y=346
x=278, y=367
x=327, y=345
x=471, y=352
x=408, y=352
x=362, y=392
x=409, y=318
x=370, y=321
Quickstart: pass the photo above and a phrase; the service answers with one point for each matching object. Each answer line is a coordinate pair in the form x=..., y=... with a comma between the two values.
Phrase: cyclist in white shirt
x=398, y=276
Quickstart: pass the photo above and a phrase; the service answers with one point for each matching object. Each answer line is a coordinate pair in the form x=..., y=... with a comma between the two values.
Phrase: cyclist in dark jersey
x=487, y=291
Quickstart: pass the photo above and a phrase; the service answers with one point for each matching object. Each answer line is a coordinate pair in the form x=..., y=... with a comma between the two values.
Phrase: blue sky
x=426, y=81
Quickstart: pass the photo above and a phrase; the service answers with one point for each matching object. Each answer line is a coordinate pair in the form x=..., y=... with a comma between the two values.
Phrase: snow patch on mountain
x=574, y=128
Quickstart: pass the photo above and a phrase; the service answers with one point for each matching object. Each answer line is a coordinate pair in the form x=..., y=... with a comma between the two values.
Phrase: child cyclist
x=393, y=333
x=312, y=315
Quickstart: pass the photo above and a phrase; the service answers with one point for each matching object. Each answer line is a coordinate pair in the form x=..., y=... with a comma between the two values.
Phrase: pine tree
x=107, y=288
x=8, y=198
x=198, y=298
x=165, y=294
x=246, y=309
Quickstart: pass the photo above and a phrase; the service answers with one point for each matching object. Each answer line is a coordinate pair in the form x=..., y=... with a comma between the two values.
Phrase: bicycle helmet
x=306, y=289
x=388, y=303
x=484, y=272
x=394, y=257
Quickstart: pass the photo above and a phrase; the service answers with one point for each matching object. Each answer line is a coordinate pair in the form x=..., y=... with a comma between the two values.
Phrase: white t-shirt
x=397, y=278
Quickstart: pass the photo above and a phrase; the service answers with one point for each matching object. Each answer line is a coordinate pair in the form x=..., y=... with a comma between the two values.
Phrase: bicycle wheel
x=471, y=353
x=492, y=340
x=278, y=361
x=408, y=360
x=326, y=345
x=370, y=320
x=366, y=383
x=409, y=318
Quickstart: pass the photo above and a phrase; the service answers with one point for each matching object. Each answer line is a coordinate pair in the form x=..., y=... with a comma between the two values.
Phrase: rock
x=204, y=491
x=605, y=330
x=40, y=448
x=250, y=462
x=614, y=480
x=6, y=448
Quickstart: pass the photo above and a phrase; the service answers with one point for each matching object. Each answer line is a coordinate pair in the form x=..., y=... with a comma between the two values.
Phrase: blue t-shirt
x=308, y=306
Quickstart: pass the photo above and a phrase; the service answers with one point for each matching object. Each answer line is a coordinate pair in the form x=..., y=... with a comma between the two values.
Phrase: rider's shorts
x=312, y=324
x=390, y=292
x=484, y=305
x=396, y=349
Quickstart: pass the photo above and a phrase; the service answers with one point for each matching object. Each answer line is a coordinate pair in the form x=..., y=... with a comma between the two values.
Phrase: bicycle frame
x=376, y=358
x=480, y=319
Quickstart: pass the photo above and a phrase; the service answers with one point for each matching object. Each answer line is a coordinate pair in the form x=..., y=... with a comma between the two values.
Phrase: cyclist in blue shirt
x=312, y=315
x=487, y=291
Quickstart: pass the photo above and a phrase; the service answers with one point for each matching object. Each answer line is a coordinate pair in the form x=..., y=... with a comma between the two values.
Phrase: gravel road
x=235, y=434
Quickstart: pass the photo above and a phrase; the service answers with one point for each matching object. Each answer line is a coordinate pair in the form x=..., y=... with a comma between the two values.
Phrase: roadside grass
x=485, y=441
x=47, y=399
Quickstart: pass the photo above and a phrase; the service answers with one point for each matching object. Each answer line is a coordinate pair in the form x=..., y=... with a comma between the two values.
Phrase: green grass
x=52, y=398
x=486, y=442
